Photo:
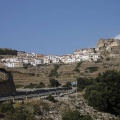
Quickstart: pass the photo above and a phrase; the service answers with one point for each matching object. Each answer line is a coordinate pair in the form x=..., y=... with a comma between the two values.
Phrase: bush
x=74, y=115
x=92, y=69
x=54, y=83
x=78, y=64
x=51, y=98
x=19, y=85
x=77, y=67
x=20, y=114
x=37, y=110
x=104, y=93
x=8, y=112
x=53, y=72
x=107, y=59
x=31, y=85
x=76, y=70
x=41, y=85
x=83, y=82
x=27, y=65
x=6, y=108
x=68, y=85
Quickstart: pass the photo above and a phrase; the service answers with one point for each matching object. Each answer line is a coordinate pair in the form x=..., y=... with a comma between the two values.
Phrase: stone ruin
x=107, y=43
x=6, y=82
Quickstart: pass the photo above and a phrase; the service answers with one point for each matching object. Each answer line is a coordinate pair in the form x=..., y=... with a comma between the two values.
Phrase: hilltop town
x=105, y=48
x=83, y=64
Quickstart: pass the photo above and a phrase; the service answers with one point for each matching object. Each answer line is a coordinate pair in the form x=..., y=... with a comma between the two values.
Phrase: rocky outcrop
x=73, y=102
x=6, y=82
x=77, y=101
x=108, y=47
x=107, y=43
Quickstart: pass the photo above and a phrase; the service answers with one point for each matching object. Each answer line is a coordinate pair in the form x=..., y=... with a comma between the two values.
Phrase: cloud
x=117, y=37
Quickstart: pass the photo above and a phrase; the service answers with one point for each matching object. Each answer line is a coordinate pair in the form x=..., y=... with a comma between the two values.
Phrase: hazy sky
x=57, y=26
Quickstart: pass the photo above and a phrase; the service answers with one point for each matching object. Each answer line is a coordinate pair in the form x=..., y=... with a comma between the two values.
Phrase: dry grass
x=66, y=72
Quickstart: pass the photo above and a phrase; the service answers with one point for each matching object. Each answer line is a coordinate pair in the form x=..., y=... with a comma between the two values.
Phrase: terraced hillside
x=65, y=72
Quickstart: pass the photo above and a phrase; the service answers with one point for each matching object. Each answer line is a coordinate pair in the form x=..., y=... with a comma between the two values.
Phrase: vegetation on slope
x=104, y=93
x=6, y=51
x=77, y=67
x=54, y=83
x=74, y=115
x=32, y=85
x=82, y=83
x=8, y=112
x=53, y=72
x=51, y=98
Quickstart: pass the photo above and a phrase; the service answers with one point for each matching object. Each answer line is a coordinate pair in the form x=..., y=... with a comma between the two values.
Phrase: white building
x=36, y=62
x=14, y=64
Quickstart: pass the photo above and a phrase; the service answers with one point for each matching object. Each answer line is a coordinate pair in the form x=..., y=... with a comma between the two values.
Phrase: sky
x=57, y=27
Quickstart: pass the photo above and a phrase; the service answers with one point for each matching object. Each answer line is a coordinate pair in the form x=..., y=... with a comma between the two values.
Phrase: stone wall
x=6, y=82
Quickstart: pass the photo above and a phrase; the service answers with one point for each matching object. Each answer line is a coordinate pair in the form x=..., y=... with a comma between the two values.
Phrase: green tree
x=83, y=82
x=6, y=51
x=54, y=83
x=104, y=93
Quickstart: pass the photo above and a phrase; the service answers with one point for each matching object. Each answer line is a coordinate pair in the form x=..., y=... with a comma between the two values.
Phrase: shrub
x=83, y=82
x=20, y=114
x=77, y=67
x=51, y=98
x=37, y=110
x=104, y=93
x=53, y=72
x=76, y=70
x=54, y=83
x=68, y=85
x=31, y=85
x=74, y=115
x=6, y=108
x=92, y=69
x=19, y=85
x=107, y=59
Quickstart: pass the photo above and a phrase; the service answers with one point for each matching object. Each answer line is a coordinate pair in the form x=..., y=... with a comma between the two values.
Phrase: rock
x=6, y=84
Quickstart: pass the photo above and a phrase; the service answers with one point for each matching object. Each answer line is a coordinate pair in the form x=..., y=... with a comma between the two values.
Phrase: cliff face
x=108, y=43
x=108, y=47
x=6, y=82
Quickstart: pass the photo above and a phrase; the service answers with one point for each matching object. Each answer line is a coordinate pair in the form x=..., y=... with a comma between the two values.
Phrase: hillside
x=92, y=61
x=66, y=72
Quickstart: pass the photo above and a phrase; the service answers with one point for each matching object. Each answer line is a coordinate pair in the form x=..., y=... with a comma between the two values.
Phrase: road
x=33, y=93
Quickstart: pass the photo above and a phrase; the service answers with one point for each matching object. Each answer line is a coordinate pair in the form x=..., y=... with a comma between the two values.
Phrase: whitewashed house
x=46, y=60
x=36, y=62
x=25, y=60
x=14, y=64
x=30, y=55
x=96, y=56
x=78, y=51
